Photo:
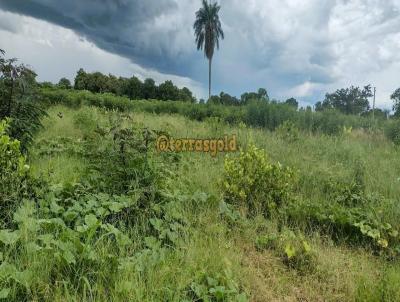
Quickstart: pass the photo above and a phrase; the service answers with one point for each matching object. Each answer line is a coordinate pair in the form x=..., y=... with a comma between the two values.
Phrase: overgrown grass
x=185, y=244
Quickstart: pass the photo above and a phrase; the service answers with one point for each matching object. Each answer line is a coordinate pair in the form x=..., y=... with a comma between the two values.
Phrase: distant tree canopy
x=262, y=94
x=351, y=100
x=64, y=83
x=377, y=113
x=224, y=99
x=132, y=87
x=396, y=102
x=292, y=102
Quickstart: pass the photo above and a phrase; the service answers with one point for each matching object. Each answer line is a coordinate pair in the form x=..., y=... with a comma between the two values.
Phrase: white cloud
x=304, y=90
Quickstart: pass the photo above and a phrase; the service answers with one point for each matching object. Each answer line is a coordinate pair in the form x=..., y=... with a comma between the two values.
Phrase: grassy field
x=183, y=240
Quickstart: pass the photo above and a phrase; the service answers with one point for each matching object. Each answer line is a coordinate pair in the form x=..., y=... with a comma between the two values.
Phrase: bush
x=392, y=131
x=288, y=132
x=13, y=173
x=254, y=184
x=359, y=220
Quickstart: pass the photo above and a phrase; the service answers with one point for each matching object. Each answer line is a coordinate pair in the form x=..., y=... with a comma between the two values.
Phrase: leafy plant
x=216, y=288
x=288, y=132
x=17, y=101
x=252, y=183
x=294, y=250
x=13, y=173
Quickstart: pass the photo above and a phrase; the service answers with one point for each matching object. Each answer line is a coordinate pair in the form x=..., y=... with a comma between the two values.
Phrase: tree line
x=132, y=87
x=350, y=101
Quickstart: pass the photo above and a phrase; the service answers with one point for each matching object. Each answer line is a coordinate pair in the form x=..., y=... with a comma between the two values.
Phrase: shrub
x=359, y=220
x=288, y=132
x=13, y=173
x=251, y=182
x=392, y=131
x=125, y=162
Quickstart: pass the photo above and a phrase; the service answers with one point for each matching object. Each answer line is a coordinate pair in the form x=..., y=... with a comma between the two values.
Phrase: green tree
x=168, y=91
x=17, y=100
x=80, y=80
x=377, y=113
x=208, y=31
x=351, y=100
x=135, y=88
x=292, y=102
x=261, y=95
x=64, y=83
x=149, y=89
x=186, y=95
x=15, y=81
x=226, y=99
x=396, y=102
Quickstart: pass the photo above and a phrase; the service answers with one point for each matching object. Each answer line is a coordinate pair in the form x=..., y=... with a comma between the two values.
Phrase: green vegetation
x=307, y=210
x=139, y=225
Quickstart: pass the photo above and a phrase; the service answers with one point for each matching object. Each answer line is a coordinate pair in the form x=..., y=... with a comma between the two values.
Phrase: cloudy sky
x=299, y=48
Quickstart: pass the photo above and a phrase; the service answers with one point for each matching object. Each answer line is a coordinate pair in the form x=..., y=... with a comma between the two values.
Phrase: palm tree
x=208, y=30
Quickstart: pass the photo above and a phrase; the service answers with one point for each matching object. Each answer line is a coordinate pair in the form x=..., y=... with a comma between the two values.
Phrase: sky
x=293, y=48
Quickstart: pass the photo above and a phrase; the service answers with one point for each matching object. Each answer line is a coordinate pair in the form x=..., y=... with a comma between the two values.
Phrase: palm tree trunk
x=209, y=79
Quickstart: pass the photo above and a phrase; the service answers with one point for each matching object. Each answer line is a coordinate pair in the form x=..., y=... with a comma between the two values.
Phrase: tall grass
x=268, y=115
x=216, y=245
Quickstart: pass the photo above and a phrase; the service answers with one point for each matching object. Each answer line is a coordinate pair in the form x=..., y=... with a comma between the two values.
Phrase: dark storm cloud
x=123, y=27
x=291, y=47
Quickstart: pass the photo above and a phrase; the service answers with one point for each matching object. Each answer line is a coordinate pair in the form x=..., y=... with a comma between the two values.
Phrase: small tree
x=17, y=87
x=149, y=89
x=15, y=80
x=351, y=100
x=396, y=102
x=208, y=31
x=292, y=102
x=64, y=83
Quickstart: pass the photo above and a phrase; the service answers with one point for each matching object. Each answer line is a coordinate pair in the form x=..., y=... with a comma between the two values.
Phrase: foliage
x=13, y=174
x=216, y=288
x=292, y=102
x=288, y=132
x=396, y=102
x=251, y=182
x=351, y=215
x=132, y=88
x=351, y=100
x=261, y=95
x=268, y=115
x=385, y=289
x=293, y=249
x=208, y=30
x=224, y=99
x=124, y=162
x=17, y=100
x=64, y=83
x=392, y=131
